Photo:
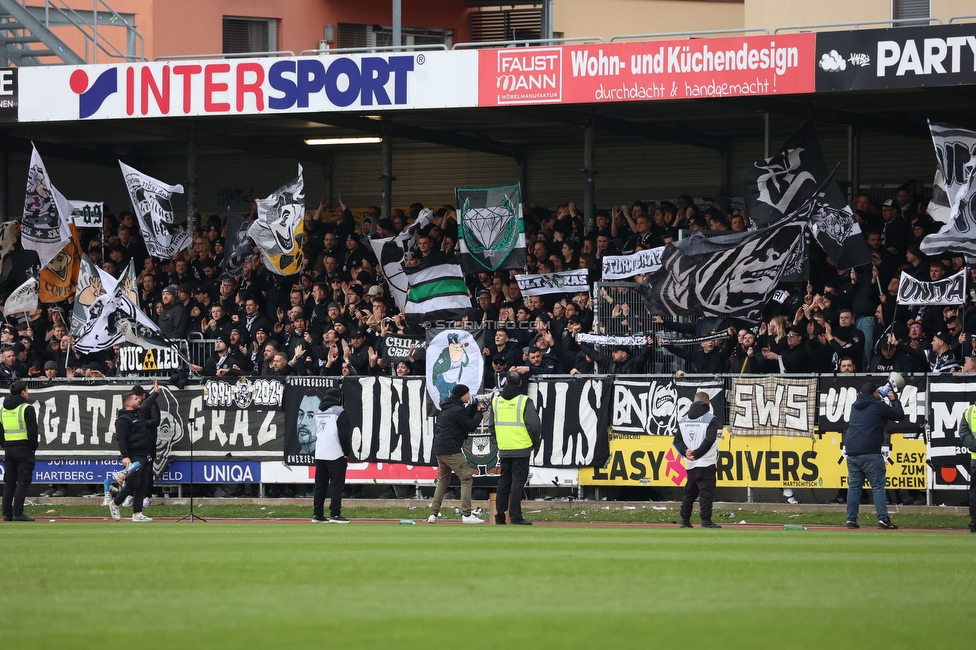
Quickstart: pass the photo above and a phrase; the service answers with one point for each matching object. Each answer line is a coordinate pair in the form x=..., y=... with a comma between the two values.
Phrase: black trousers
x=972, y=497
x=330, y=478
x=18, y=471
x=701, y=484
x=511, y=483
x=137, y=484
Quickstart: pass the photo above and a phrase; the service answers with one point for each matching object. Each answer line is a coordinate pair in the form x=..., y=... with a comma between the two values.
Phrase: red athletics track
x=421, y=522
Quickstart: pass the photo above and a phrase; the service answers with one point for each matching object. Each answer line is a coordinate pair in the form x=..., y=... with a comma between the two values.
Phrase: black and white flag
x=947, y=291
x=492, y=235
x=839, y=234
x=238, y=246
x=47, y=214
x=152, y=202
x=92, y=283
x=954, y=151
x=561, y=282
x=105, y=317
x=279, y=228
x=778, y=186
x=23, y=299
x=724, y=276
x=622, y=267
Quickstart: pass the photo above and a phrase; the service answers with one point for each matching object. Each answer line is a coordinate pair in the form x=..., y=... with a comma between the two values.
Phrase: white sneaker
x=139, y=517
x=471, y=519
x=114, y=509
x=792, y=501
x=107, y=499
x=146, y=502
x=432, y=519
x=128, y=501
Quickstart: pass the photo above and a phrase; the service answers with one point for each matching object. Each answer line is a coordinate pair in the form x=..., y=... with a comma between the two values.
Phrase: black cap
x=359, y=332
x=357, y=289
x=460, y=390
x=944, y=336
x=498, y=358
x=332, y=395
x=170, y=290
x=18, y=348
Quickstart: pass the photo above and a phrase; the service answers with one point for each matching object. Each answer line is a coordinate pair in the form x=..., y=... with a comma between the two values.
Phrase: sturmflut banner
x=772, y=406
x=622, y=267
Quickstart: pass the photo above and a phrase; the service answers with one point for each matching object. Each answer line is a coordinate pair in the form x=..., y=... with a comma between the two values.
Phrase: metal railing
x=894, y=22
x=961, y=18
x=424, y=47
x=689, y=34
x=619, y=310
x=64, y=15
x=234, y=55
x=528, y=41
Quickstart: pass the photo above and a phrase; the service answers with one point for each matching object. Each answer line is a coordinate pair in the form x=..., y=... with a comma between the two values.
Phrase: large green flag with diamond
x=491, y=228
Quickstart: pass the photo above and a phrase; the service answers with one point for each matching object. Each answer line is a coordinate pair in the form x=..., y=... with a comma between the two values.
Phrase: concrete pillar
x=589, y=173
x=397, y=22
x=386, y=178
x=191, y=183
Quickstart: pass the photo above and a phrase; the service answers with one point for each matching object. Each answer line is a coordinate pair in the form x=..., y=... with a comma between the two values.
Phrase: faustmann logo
x=927, y=56
x=682, y=59
x=529, y=76
x=222, y=87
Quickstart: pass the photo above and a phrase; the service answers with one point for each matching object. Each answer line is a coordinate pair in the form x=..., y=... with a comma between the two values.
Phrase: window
x=506, y=25
x=242, y=35
x=906, y=9
x=351, y=35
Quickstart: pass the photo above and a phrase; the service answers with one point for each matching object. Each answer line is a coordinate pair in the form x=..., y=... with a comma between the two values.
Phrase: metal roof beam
x=832, y=116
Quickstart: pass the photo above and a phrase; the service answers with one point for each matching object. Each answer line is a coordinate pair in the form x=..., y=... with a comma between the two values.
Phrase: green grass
x=254, y=585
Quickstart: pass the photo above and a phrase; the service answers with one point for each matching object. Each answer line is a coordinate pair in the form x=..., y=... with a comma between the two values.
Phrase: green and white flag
x=437, y=291
x=491, y=230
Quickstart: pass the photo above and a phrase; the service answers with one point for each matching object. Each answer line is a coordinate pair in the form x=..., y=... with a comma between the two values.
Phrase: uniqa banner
x=771, y=462
x=78, y=422
x=837, y=394
x=653, y=407
x=392, y=423
x=772, y=406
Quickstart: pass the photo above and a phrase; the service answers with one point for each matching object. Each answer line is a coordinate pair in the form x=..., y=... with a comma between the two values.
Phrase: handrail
x=530, y=41
x=378, y=48
x=236, y=55
x=894, y=22
x=689, y=34
x=78, y=22
x=966, y=17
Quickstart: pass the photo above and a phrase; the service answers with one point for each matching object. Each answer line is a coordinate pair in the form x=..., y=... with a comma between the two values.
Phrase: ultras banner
x=77, y=422
x=772, y=406
x=838, y=392
x=772, y=462
x=392, y=423
x=653, y=407
x=949, y=460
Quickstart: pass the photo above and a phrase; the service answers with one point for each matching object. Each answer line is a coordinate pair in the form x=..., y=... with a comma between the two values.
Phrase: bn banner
x=653, y=407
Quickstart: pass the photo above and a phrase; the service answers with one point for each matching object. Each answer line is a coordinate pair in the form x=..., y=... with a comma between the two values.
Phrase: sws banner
x=903, y=57
x=949, y=460
x=772, y=406
x=837, y=394
x=771, y=462
x=78, y=422
x=392, y=423
x=653, y=407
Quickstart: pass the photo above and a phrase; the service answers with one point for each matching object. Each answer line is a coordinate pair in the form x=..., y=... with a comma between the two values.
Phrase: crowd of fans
x=332, y=317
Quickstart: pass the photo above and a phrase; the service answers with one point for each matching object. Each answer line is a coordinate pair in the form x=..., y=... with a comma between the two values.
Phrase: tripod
x=191, y=516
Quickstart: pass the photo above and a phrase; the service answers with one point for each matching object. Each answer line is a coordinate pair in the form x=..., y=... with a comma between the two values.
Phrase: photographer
x=459, y=416
x=866, y=446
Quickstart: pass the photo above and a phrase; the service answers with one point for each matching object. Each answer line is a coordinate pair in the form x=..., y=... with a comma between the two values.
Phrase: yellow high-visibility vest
x=970, y=415
x=14, y=427
x=509, y=416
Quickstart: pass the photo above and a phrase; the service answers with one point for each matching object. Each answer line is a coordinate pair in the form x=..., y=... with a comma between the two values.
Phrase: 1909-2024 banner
x=642, y=451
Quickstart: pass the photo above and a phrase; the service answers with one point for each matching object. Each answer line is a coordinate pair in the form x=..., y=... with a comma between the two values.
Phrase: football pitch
x=279, y=585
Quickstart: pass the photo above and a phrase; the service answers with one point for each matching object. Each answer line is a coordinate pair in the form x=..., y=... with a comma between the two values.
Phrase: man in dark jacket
x=333, y=447
x=696, y=441
x=135, y=445
x=458, y=417
x=19, y=439
x=967, y=428
x=518, y=431
x=152, y=425
x=174, y=321
x=866, y=447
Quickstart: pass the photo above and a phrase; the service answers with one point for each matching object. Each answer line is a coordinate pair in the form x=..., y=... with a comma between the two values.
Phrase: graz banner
x=248, y=393
x=904, y=57
x=301, y=401
x=78, y=422
x=653, y=407
x=837, y=394
x=949, y=460
x=772, y=406
x=392, y=423
x=134, y=359
x=772, y=462
x=616, y=72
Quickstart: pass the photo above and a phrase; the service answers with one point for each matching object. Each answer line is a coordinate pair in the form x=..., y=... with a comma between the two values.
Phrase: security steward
x=696, y=440
x=19, y=439
x=967, y=433
x=518, y=431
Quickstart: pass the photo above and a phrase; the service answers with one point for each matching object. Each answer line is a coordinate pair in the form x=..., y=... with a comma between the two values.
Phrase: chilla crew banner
x=771, y=462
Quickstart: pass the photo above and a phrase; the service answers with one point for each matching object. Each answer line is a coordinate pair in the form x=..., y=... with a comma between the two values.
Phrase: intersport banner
x=257, y=86
x=614, y=72
x=771, y=462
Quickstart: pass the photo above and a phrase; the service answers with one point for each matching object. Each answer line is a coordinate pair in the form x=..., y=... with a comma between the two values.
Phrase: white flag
x=46, y=214
x=153, y=205
x=279, y=228
x=22, y=299
x=106, y=317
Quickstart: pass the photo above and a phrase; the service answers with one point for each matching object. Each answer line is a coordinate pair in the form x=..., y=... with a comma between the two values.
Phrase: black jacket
x=30, y=421
x=132, y=429
x=866, y=432
x=343, y=427
x=454, y=424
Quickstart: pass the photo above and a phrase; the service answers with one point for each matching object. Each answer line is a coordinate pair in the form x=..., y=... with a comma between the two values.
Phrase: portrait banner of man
x=301, y=401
